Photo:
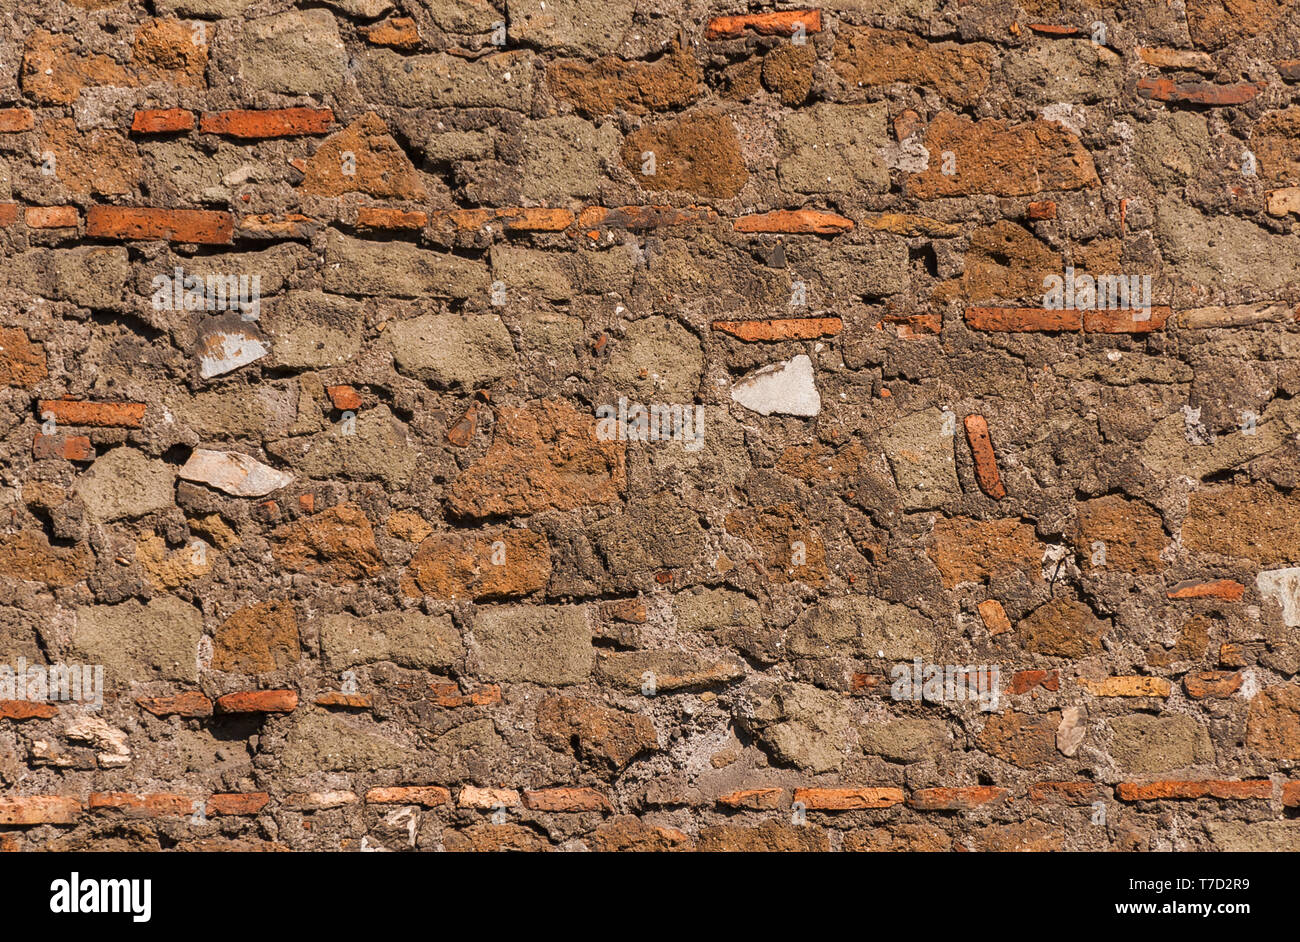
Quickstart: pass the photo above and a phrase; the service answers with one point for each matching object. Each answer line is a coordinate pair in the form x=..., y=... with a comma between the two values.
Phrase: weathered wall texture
x=364, y=569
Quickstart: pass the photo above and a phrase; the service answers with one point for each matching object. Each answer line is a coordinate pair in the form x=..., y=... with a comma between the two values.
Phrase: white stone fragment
x=224, y=351
x=233, y=473
x=785, y=388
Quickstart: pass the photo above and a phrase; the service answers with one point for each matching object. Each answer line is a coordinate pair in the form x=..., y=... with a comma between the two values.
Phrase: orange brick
x=986, y=462
x=847, y=799
x=8, y=214
x=271, y=226
x=488, y=798
x=1204, y=685
x=784, y=23
x=317, y=801
x=201, y=226
x=154, y=805
x=163, y=121
x=631, y=611
x=1227, y=589
x=343, y=397
x=566, y=799
x=1155, y=791
x=399, y=32
x=517, y=219
x=39, y=809
x=383, y=217
x=349, y=701
x=51, y=217
x=95, y=414
x=236, y=804
x=1127, y=686
x=19, y=710
x=67, y=447
x=994, y=616
x=258, y=701
x=13, y=120
x=956, y=799
x=754, y=799
x=189, y=703
x=1042, y=209
x=862, y=684
x=430, y=796
x=781, y=328
x=1022, y=319
x=795, y=221
x=1291, y=794
x=277, y=122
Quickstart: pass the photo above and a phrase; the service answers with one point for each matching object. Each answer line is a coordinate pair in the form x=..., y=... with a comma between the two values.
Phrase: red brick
x=1053, y=29
x=986, y=462
x=258, y=701
x=1156, y=791
x=1042, y=209
x=383, y=217
x=189, y=703
x=237, y=803
x=1025, y=681
x=1204, y=685
x=201, y=226
x=67, y=447
x=847, y=799
x=956, y=799
x=13, y=120
x=163, y=121
x=1199, y=93
x=39, y=809
x=795, y=221
x=1226, y=589
x=154, y=805
x=765, y=24
x=430, y=796
x=343, y=397
x=278, y=122
x=8, y=214
x=566, y=799
x=1072, y=793
x=51, y=217
x=754, y=799
x=19, y=710
x=642, y=217
x=1291, y=794
x=93, y=414
x=781, y=328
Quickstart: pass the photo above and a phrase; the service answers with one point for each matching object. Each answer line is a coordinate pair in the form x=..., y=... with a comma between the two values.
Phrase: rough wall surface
x=369, y=549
